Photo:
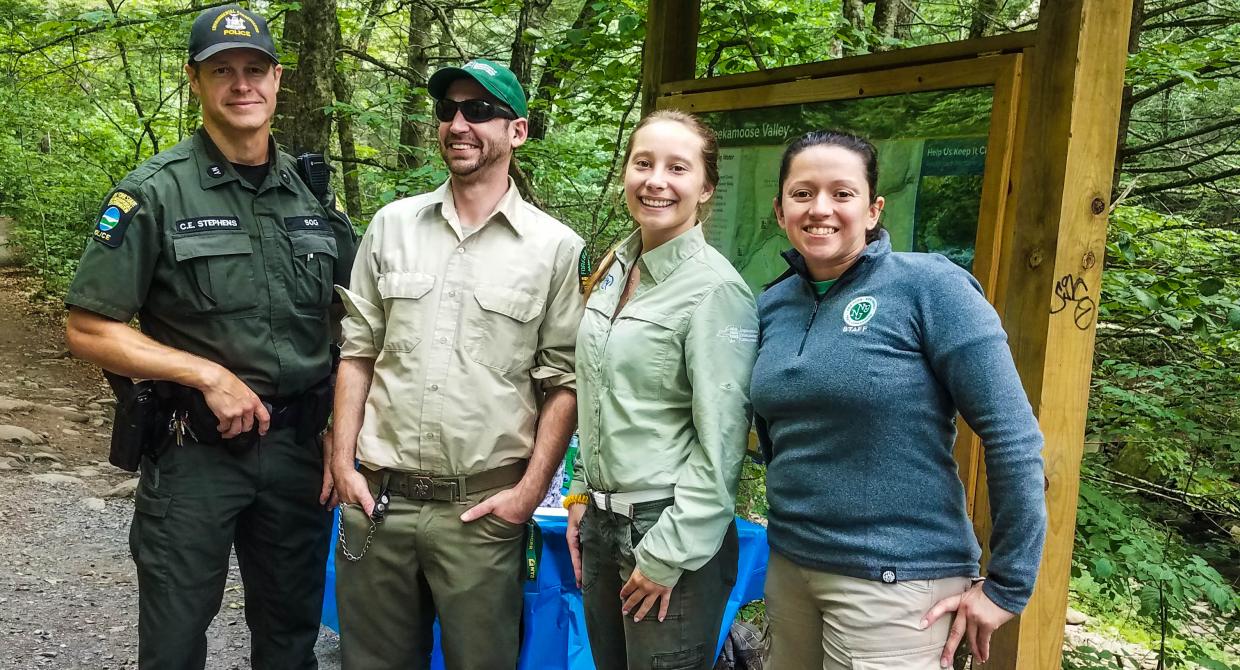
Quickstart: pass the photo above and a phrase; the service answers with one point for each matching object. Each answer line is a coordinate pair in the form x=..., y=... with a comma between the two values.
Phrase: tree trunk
x=522, y=61
x=344, y=135
x=414, y=106
x=886, y=13
x=904, y=19
x=302, y=125
x=983, y=18
x=854, y=14
x=1125, y=109
x=552, y=76
x=343, y=89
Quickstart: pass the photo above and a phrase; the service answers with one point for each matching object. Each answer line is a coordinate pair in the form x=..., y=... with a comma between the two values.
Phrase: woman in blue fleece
x=865, y=358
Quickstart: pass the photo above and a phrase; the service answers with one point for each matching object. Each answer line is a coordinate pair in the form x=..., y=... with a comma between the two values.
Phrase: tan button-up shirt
x=461, y=329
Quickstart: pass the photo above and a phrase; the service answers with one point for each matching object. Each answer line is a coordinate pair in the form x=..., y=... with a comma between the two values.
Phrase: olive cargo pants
x=191, y=507
x=686, y=638
x=422, y=561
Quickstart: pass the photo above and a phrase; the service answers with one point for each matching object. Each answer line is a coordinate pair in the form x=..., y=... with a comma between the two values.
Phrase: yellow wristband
x=576, y=499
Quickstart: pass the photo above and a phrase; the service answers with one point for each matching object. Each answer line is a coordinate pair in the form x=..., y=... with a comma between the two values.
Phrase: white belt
x=623, y=503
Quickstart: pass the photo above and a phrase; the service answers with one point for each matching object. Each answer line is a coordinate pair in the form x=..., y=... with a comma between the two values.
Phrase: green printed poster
x=932, y=152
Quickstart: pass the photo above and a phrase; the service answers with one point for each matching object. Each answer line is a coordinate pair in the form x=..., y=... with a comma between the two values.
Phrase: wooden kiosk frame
x=1041, y=230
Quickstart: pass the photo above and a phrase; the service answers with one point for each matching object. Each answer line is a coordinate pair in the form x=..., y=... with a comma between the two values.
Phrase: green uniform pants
x=686, y=638
x=192, y=506
x=422, y=561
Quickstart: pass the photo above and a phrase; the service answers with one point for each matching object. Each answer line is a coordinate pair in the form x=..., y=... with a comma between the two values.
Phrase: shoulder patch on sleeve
x=584, y=269
x=118, y=211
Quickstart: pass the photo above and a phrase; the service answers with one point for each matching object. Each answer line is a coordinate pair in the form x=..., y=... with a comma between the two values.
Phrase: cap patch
x=115, y=217
x=235, y=23
x=475, y=65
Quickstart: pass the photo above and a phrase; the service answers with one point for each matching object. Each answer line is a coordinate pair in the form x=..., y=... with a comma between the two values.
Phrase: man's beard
x=489, y=154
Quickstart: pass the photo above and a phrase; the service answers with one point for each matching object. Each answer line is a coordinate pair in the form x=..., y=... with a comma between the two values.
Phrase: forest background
x=88, y=90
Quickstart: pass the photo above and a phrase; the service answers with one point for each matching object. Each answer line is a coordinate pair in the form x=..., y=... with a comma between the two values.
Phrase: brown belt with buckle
x=417, y=486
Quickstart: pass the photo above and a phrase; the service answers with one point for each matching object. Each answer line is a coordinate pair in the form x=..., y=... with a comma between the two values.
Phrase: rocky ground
x=68, y=594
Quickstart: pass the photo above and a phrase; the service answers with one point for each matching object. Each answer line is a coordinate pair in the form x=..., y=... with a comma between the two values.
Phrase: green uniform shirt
x=662, y=393
x=239, y=276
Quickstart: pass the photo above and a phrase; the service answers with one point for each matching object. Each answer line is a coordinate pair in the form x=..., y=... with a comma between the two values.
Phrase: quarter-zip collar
x=797, y=266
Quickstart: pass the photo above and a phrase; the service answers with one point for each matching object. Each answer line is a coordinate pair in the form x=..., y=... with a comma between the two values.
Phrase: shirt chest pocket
x=220, y=272
x=502, y=327
x=645, y=351
x=314, y=262
x=406, y=307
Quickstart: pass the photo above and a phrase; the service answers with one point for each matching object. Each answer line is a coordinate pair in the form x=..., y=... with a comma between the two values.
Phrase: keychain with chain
x=381, y=507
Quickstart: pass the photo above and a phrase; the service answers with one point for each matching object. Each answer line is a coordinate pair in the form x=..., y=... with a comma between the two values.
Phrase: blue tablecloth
x=554, y=636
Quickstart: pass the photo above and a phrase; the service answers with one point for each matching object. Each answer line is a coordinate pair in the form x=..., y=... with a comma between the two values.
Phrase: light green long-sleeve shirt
x=662, y=393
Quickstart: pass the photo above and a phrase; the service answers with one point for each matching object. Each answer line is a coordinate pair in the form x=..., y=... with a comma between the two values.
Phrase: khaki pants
x=423, y=561
x=823, y=621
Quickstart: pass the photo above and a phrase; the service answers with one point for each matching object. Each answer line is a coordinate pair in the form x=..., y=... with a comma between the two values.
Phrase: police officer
x=228, y=260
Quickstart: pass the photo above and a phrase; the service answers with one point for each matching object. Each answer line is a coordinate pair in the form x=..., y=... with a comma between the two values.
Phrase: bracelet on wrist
x=576, y=499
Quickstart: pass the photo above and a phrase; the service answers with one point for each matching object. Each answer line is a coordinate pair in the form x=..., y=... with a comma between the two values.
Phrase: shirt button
x=452, y=294
x=434, y=387
x=430, y=435
x=460, y=250
x=443, y=340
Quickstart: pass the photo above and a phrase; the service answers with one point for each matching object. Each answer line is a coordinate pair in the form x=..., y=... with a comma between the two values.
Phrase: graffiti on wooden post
x=1073, y=290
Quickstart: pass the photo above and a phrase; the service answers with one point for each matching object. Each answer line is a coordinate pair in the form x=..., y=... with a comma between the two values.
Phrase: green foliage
x=1160, y=486
x=1131, y=568
x=1163, y=418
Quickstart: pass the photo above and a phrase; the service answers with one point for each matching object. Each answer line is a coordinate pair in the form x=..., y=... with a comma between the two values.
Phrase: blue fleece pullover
x=856, y=395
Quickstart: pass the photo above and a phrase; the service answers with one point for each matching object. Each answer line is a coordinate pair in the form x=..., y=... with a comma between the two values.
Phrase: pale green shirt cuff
x=655, y=570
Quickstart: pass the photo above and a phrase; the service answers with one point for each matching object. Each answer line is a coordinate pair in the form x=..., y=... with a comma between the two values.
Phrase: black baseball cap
x=229, y=27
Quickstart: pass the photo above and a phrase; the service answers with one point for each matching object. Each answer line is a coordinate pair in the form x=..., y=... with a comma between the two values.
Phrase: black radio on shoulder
x=316, y=172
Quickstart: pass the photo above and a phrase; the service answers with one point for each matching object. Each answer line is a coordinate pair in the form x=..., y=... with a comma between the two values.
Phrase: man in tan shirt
x=456, y=393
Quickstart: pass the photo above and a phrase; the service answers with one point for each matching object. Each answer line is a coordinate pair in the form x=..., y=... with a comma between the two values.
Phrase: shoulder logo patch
x=115, y=217
x=734, y=334
x=584, y=269
x=859, y=311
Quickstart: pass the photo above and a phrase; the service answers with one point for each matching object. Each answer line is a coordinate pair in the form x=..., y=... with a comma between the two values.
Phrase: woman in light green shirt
x=664, y=355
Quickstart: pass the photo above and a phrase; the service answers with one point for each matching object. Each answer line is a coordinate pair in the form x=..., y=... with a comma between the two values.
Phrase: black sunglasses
x=474, y=111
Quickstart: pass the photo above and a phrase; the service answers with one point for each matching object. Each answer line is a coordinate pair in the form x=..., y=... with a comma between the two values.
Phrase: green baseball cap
x=496, y=78
x=229, y=27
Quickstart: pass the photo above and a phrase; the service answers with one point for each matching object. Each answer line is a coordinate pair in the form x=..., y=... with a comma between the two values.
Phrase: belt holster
x=136, y=422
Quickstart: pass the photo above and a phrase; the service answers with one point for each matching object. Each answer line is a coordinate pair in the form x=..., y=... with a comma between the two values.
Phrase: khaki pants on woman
x=824, y=621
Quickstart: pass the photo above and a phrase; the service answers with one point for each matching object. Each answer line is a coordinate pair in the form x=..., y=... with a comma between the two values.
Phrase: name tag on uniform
x=314, y=223
x=207, y=224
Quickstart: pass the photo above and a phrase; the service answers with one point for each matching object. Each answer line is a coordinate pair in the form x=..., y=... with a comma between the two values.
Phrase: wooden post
x=1051, y=271
x=670, y=53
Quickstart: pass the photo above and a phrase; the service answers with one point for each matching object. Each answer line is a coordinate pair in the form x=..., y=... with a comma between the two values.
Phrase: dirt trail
x=68, y=593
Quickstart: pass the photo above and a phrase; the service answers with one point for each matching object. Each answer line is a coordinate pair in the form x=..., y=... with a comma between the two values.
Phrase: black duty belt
x=416, y=486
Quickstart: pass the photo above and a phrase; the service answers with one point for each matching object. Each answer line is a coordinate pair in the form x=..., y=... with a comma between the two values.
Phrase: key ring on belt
x=381, y=505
